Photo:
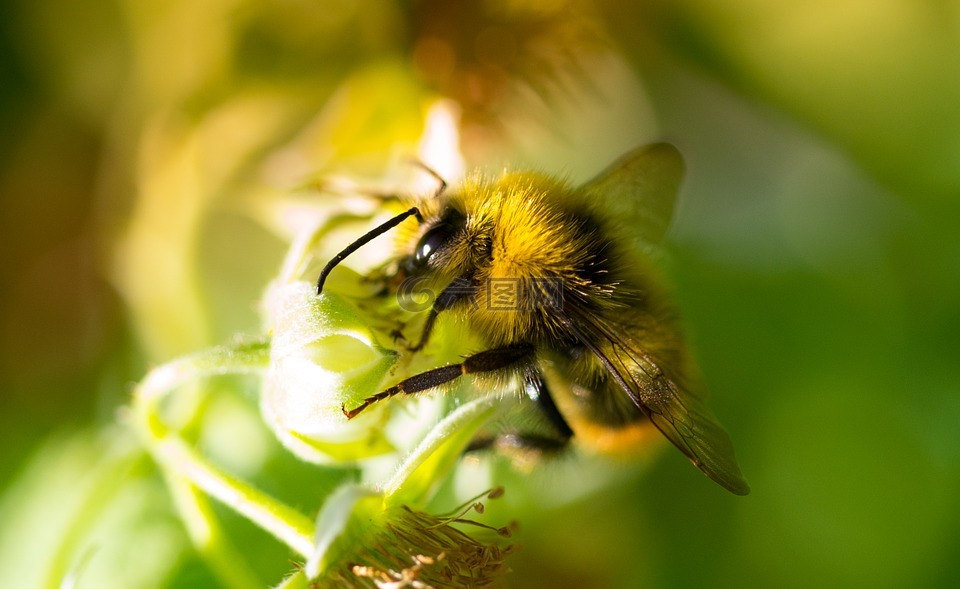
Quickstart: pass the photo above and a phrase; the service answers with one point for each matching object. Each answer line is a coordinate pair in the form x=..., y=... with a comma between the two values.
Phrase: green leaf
x=430, y=463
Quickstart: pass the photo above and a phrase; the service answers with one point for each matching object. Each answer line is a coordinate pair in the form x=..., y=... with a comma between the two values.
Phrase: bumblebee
x=556, y=282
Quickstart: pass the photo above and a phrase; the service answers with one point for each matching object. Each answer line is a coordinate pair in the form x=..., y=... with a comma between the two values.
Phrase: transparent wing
x=680, y=415
x=639, y=190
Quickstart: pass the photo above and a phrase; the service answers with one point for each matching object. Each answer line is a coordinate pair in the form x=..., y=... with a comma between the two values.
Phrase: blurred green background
x=150, y=162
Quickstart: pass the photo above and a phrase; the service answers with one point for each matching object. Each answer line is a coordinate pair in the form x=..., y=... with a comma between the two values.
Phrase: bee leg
x=397, y=335
x=460, y=289
x=441, y=183
x=486, y=361
x=517, y=443
x=536, y=443
x=536, y=389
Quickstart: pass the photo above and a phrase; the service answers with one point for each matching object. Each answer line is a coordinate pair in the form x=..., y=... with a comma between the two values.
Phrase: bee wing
x=680, y=415
x=690, y=425
x=639, y=190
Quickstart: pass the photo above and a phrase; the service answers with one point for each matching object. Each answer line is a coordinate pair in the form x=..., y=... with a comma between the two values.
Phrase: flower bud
x=323, y=356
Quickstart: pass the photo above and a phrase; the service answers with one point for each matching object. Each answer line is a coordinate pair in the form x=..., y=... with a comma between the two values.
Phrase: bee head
x=438, y=246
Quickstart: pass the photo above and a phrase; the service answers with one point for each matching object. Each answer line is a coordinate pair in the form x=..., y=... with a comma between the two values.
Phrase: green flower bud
x=323, y=356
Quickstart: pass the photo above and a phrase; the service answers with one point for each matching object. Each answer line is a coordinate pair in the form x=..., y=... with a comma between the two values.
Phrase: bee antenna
x=443, y=183
x=366, y=238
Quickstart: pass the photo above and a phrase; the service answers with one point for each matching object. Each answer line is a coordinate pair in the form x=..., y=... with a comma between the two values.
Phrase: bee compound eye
x=432, y=240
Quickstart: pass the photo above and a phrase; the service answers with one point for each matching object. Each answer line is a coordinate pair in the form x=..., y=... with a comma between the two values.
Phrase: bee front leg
x=487, y=361
x=461, y=289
